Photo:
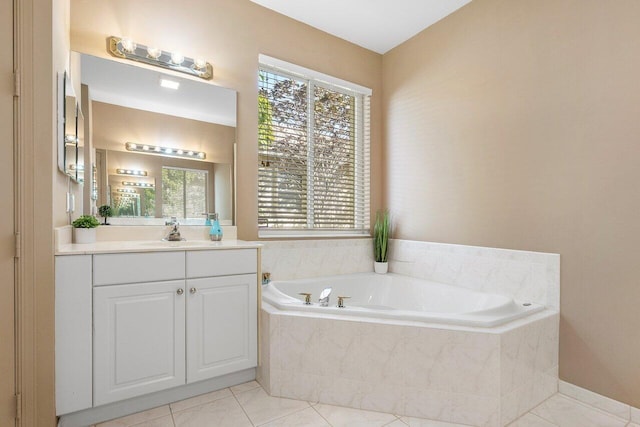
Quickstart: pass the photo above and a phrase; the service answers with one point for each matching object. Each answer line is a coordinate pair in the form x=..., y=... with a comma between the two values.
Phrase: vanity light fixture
x=132, y=172
x=127, y=49
x=165, y=151
x=138, y=184
x=126, y=190
x=70, y=139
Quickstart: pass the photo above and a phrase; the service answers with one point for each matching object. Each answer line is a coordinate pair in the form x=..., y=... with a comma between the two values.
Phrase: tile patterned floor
x=249, y=405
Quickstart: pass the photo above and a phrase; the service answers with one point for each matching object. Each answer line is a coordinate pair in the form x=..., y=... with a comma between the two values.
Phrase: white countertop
x=116, y=246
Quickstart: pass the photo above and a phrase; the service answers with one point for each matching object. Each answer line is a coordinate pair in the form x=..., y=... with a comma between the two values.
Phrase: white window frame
x=362, y=147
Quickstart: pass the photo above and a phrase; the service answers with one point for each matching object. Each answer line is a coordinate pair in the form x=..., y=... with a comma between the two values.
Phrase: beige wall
x=231, y=34
x=515, y=124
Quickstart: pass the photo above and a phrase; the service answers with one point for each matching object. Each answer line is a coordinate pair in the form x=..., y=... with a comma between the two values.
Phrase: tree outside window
x=184, y=192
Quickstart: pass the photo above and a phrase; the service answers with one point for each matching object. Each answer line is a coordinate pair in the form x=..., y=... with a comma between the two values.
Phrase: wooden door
x=221, y=325
x=139, y=342
x=7, y=283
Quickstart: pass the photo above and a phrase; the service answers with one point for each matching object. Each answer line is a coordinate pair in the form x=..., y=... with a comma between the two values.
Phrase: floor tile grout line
x=283, y=416
x=172, y=417
x=532, y=414
x=148, y=419
x=391, y=422
x=267, y=422
x=243, y=410
x=321, y=416
x=244, y=391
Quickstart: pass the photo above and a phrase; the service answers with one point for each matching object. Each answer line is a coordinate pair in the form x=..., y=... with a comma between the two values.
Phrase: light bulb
x=157, y=149
x=177, y=58
x=145, y=147
x=133, y=146
x=153, y=52
x=168, y=150
x=171, y=84
x=190, y=153
x=199, y=63
x=180, y=152
x=201, y=155
x=128, y=45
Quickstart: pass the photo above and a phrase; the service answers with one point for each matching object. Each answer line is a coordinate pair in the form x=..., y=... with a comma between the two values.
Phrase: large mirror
x=162, y=145
x=70, y=133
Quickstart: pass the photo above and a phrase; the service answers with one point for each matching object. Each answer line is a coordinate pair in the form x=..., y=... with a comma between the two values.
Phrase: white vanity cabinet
x=221, y=325
x=160, y=320
x=222, y=313
x=138, y=339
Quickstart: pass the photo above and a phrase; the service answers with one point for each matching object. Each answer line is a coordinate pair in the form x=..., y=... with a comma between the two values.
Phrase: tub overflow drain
x=527, y=304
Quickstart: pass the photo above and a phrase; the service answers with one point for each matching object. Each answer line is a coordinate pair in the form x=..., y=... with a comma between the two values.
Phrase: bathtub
x=394, y=296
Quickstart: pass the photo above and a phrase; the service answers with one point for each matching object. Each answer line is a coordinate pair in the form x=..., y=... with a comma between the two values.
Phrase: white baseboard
x=606, y=404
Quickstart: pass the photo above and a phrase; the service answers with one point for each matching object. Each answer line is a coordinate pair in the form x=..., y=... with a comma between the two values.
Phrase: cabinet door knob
x=193, y=290
x=180, y=291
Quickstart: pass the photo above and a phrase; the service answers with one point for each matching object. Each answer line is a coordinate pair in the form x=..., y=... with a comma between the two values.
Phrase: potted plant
x=84, y=228
x=105, y=212
x=381, y=231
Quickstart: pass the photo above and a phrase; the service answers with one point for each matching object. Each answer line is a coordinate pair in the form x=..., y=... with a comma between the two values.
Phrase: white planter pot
x=380, y=267
x=84, y=235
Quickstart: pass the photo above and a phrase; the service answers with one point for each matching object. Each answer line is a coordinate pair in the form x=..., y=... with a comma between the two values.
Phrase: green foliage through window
x=313, y=157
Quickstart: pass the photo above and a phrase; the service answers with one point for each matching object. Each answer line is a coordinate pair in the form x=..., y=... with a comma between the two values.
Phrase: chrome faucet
x=174, y=234
x=324, y=297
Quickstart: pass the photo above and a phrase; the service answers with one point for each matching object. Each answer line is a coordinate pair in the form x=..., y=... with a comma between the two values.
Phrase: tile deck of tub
x=249, y=405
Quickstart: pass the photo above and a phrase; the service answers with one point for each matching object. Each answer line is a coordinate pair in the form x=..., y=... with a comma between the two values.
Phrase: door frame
x=8, y=401
x=34, y=152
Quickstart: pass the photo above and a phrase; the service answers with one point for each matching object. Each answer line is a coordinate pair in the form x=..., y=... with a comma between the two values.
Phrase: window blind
x=313, y=145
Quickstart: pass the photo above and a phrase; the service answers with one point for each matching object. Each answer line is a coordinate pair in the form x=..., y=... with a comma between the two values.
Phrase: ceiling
x=377, y=25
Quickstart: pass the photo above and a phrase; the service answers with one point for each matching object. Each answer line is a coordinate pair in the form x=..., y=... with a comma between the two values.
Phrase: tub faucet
x=324, y=297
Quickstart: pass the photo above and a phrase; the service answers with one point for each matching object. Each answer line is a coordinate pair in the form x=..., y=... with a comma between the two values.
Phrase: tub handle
x=307, y=297
x=341, y=301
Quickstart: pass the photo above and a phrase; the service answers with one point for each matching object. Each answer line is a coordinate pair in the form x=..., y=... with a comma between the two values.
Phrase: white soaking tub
x=393, y=296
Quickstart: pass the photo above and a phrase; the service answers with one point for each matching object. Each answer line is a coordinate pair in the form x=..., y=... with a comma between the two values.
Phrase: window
x=313, y=153
x=184, y=192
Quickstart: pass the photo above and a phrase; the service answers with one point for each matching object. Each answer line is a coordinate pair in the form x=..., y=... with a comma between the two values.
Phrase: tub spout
x=324, y=297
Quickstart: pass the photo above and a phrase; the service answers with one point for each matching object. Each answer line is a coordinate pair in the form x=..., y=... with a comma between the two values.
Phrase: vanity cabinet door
x=221, y=325
x=139, y=339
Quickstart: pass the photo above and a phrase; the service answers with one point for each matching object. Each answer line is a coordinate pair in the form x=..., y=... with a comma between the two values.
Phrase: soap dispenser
x=215, y=232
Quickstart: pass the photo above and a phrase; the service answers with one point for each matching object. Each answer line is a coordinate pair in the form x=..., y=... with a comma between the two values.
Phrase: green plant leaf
x=85, y=221
x=381, y=232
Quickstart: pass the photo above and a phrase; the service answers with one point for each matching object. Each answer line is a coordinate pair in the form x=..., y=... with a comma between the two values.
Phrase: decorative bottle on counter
x=215, y=233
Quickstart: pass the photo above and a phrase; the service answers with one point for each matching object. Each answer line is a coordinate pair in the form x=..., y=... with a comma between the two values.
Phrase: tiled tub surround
x=483, y=377
x=474, y=376
x=287, y=260
x=522, y=275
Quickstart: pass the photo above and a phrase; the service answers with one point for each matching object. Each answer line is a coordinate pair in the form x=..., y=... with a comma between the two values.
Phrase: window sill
x=306, y=234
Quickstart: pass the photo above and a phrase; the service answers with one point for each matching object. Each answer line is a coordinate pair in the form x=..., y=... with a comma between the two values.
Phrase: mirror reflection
x=70, y=135
x=159, y=152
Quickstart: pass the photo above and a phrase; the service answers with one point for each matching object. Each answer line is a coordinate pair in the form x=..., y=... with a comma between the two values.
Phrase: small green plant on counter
x=381, y=231
x=86, y=221
x=106, y=212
